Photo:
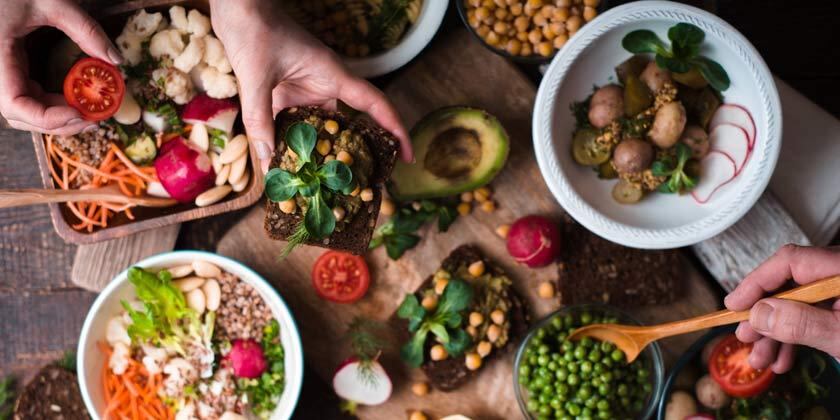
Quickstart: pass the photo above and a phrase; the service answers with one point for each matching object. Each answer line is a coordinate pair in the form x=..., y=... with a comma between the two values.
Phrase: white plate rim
x=648, y=238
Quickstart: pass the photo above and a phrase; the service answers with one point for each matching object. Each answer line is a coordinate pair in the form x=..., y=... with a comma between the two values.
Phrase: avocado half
x=457, y=149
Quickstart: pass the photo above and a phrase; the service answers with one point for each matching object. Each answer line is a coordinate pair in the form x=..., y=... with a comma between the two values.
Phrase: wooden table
x=41, y=312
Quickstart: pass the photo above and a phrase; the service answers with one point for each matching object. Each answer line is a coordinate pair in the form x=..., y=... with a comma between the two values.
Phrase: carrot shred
x=134, y=394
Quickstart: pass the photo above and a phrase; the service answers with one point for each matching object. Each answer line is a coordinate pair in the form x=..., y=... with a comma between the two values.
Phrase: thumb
x=797, y=323
x=83, y=30
x=258, y=118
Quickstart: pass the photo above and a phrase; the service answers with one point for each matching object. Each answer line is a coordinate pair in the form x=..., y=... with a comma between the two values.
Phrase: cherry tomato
x=729, y=368
x=94, y=88
x=340, y=277
x=700, y=416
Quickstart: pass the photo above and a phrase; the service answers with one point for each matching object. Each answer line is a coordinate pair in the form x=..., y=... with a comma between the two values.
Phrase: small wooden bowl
x=145, y=218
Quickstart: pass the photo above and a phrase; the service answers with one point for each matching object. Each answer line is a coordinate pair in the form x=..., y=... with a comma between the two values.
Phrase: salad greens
x=264, y=392
x=6, y=397
x=315, y=182
x=683, y=54
x=445, y=322
x=678, y=181
x=165, y=319
x=398, y=233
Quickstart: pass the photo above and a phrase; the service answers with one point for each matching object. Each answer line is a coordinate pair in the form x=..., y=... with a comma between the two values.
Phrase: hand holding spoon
x=633, y=339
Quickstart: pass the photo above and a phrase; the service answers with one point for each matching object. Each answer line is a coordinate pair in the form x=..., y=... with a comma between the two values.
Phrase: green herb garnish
x=68, y=361
x=313, y=181
x=367, y=342
x=683, y=54
x=170, y=114
x=398, y=233
x=445, y=323
x=678, y=181
x=580, y=110
x=218, y=137
x=264, y=392
x=6, y=397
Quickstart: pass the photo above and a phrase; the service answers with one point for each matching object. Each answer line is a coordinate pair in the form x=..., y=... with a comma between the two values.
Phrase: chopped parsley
x=264, y=392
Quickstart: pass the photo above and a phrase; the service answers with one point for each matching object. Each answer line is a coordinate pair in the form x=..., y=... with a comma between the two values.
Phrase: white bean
x=223, y=175
x=180, y=271
x=214, y=160
x=206, y=269
x=234, y=149
x=237, y=169
x=242, y=183
x=212, y=195
x=197, y=301
x=213, y=294
x=189, y=284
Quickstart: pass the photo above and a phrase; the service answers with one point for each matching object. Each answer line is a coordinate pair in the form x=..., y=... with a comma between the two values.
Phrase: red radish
x=368, y=385
x=184, y=170
x=246, y=359
x=716, y=170
x=533, y=241
x=737, y=115
x=216, y=113
x=700, y=416
x=733, y=141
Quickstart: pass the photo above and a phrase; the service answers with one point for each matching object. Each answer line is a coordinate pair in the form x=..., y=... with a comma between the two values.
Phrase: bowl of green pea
x=555, y=378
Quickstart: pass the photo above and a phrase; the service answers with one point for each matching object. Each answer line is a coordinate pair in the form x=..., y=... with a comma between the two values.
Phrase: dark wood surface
x=41, y=313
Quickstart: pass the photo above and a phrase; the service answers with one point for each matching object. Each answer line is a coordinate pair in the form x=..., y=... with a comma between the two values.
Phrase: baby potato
x=680, y=405
x=668, y=125
x=710, y=394
x=632, y=155
x=606, y=105
x=696, y=138
x=655, y=77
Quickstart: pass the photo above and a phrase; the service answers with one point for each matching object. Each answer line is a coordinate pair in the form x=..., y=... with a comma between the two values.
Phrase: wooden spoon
x=632, y=339
x=110, y=194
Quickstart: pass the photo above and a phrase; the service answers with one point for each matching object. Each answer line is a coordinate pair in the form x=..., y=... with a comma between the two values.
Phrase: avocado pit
x=453, y=153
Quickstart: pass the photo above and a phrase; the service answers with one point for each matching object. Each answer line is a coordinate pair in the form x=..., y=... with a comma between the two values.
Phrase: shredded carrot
x=115, y=169
x=134, y=394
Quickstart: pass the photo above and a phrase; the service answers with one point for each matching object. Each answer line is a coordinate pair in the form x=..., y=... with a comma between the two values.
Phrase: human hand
x=22, y=101
x=775, y=325
x=279, y=65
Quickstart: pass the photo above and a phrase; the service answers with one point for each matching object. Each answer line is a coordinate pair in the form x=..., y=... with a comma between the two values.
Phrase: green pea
x=638, y=406
x=567, y=346
x=532, y=405
x=542, y=349
x=647, y=388
x=573, y=367
x=573, y=379
x=545, y=410
x=542, y=360
x=561, y=337
x=586, y=342
x=544, y=398
x=595, y=355
x=585, y=318
x=524, y=370
x=573, y=409
x=532, y=359
x=562, y=389
x=596, y=381
x=555, y=356
x=540, y=334
x=557, y=322
x=622, y=390
x=607, y=377
x=604, y=389
x=523, y=380
x=604, y=415
x=552, y=365
x=569, y=356
x=584, y=392
x=608, y=362
x=617, y=355
x=643, y=373
x=568, y=321
x=555, y=403
x=607, y=347
x=561, y=374
x=586, y=412
x=598, y=367
x=586, y=366
x=603, y=405
x=625, y=402
x=580, y=353
x=539, y=383
x=565, y=417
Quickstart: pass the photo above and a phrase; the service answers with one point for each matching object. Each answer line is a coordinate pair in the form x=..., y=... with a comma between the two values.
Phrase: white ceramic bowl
x=90, y=360
x=413, y=41
x=659, y=220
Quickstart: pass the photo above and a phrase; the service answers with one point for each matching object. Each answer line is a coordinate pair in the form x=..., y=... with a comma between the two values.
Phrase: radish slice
x=737, y=115
x=352, y=383
x=733, y=141
x=716, y=170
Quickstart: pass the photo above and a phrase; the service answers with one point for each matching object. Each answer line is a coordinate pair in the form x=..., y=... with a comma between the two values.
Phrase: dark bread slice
x=450, y=373
x=593, y=270
x=383, y=147
x=52, y=394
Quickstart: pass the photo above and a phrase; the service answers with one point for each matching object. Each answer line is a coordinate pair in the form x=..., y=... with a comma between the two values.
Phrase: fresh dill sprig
x=68, y=361
x=299, y=237
x=367, y=343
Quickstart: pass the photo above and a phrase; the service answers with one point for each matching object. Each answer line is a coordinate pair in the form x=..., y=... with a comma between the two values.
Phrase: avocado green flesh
x=457, y=149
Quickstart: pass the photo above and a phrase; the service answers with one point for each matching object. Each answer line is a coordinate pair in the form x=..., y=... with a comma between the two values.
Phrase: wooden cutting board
x=454, y=71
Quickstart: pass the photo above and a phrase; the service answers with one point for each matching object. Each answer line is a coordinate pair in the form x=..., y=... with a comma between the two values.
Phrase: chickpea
x=440, y=285
x=366, y=195
x=558, y=28
x=467, y=197
x=288, y=207
x=339, y=213
x=546, y=290
x=475, y=3
x=534, y=3
x=476, y=269
x=575, y=11
x=498, y=317
x=492, y=38
x=547, y=11
x=482, y=31
x=503, y=230
x=489, y=206
x=500, y=3
x=345, y=157
x=513, y=47
x=574, y=23
x=473, y=21
x=526, y=50
x=324, y=146
x=484, y=348
x=472, y=331
x=482, y=13
x=438, y=352
x=560, y=41
x=417, y=415
x=331, y=126
x=476, y=318
x=521, y=23
x=429, y=302
x=420, y=388
x=500, y=27
x=529, y=10
x=493, y=333
x=464, y=209
x=516, y=9
x=589, y=13
x=564, y=3
x=501, y=14
x=539, y=20
x=490, y=4
x=535, y=36
x=591, y=3
x=473, y=361
x=561, y=14
x=522, y=37
x=388, y=208
x=548, y=34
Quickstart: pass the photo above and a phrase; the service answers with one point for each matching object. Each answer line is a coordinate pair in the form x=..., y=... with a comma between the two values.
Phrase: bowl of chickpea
x=526, y=31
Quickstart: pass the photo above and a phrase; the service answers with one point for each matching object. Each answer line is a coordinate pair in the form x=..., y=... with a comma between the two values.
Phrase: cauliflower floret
x=187, y=412
x=131, y=47
x=116, y=332
x=176, y=84
x=178, y=16
x=195, y=75
x=218, y=85
x=197, y=23
x=179, y=373
x=118, y=362
x=143, y=24
x=230, y=415
x=214, y=54
x=154, y=358
x=191, y=55
x=166, y=42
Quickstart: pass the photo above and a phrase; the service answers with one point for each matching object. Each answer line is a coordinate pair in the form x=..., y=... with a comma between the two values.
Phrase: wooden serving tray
x=112, y=19
x=444, y=75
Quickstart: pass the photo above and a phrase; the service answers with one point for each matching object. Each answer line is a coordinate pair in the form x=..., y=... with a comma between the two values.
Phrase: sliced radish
x=353, y=383
x=733, y=141
x=737, y=115
x=716, y=170
x=216, y=113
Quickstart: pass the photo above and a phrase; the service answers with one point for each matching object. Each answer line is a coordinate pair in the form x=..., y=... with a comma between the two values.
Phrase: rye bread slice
x=595, y=270
x=52, y=394
x=450, y=373
x=383, y=147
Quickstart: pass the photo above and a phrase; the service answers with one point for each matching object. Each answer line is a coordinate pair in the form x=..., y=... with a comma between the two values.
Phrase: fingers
x=746, y=334
x=65, y=130
x=82, y=29
x=803, y=264
x=366, y=98
x=258, y=118
x=784, y=359
x=763, y=353
x=797, y=323
x=41, y=117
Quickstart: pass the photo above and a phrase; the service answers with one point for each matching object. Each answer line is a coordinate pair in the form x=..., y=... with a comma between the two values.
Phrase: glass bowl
x=651, y=357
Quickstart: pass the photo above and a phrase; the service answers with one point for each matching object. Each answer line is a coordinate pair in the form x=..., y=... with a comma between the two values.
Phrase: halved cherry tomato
x=340, y=277
x=729, y=367
x=700, y=416
x=94, y=88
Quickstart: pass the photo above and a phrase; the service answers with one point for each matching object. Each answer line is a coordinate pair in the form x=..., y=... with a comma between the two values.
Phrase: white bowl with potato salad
x=190, y=334
x=636, y=179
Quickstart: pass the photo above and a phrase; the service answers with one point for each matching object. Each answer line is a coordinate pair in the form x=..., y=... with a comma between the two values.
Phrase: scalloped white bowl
x=660, y=220
x=90, y=360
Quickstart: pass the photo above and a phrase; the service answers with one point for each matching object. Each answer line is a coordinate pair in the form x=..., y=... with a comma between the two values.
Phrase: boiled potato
x=668, y=125
x=606, y=105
